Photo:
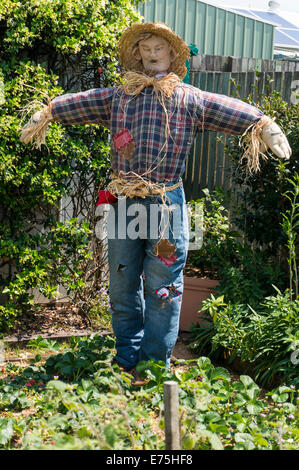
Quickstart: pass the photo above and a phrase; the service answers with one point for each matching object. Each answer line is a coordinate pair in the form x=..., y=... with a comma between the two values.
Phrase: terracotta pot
x=195, y=291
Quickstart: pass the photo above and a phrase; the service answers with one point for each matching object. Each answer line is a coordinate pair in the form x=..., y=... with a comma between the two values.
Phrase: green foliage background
x=260, y=198
x=253, y=251
x=49, y=48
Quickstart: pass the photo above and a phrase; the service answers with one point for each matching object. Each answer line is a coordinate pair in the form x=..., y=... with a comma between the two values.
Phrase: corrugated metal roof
x=282, y=39
x=212, y=29
x=286, y=33
x=241, y=11
x=273, y=17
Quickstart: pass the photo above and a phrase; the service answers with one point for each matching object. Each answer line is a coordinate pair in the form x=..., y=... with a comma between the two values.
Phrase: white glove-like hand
x=36, y=127
x=36, y=117
x=274, y=138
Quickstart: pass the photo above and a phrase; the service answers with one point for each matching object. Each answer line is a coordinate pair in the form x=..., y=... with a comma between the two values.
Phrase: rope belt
x=138, y=187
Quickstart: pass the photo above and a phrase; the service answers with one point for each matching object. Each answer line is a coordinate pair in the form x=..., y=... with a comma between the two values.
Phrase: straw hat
x=128, y=42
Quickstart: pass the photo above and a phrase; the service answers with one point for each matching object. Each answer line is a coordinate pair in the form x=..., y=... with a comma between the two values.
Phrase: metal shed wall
x=211, y=29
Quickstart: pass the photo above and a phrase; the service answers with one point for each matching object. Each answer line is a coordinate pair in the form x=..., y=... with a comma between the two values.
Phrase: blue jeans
x=146, y=287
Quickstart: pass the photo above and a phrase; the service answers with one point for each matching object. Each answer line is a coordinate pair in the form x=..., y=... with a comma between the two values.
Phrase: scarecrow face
x=155, y=54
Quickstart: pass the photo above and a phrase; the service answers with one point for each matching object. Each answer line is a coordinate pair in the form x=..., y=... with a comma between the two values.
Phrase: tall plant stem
x=289, y=229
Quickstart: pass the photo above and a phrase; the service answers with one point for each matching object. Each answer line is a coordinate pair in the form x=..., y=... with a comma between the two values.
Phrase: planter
x=195, y=291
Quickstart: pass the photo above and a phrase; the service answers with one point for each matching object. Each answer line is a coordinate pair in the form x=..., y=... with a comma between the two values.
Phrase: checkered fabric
x=158, y=153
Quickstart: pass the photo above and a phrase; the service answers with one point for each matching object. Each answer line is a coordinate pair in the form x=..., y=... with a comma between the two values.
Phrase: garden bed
x=58, y=390
x=60, y=323
x=68, y=396
x=48, y=320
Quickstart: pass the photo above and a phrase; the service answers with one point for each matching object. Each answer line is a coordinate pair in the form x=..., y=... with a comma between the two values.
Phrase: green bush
x=265, y=337
x=244, y=228
x=244, y=322
x=246, y=274
x=219, y=241
x=248, y=318
x=260, y=200
x=50, y=48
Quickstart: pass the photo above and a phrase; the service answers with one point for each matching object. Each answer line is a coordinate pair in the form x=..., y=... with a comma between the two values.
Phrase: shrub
x=249, y=319
x=49, y=48
x=260, y=200
x=265, y=337
x=246, y=274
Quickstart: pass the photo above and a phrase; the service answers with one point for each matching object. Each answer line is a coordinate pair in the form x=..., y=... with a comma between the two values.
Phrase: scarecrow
x=153, y=117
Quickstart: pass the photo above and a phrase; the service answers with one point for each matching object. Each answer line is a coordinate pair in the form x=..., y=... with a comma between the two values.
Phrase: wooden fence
x=207, y=166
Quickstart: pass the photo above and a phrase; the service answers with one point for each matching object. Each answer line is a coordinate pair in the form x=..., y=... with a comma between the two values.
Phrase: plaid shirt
x=162, y=155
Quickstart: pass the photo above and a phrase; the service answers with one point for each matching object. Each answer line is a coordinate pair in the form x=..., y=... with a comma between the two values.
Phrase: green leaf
x=253, y=409
x=57, y=385
x=245, y=439
x=216, y=444
x=110, y=435
x=219, y=373
x=204, y=363
x=6, y=430
x=188, y=443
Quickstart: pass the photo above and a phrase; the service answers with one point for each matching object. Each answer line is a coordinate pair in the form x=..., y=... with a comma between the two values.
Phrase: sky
x=288, y=5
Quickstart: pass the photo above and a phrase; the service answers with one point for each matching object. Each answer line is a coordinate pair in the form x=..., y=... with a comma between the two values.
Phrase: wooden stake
x=171, y=415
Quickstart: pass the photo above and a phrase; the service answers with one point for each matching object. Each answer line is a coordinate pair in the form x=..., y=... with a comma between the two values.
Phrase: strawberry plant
x=99, y=409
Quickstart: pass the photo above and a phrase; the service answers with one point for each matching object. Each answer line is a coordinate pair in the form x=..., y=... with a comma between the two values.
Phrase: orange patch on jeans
x=164, y=248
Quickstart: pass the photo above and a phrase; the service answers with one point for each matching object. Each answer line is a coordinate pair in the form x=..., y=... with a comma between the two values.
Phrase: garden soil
x=61, y=322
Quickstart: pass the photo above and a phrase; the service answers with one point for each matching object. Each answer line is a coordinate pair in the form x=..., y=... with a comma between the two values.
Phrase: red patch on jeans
x=168, y=261
x=105, y=197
